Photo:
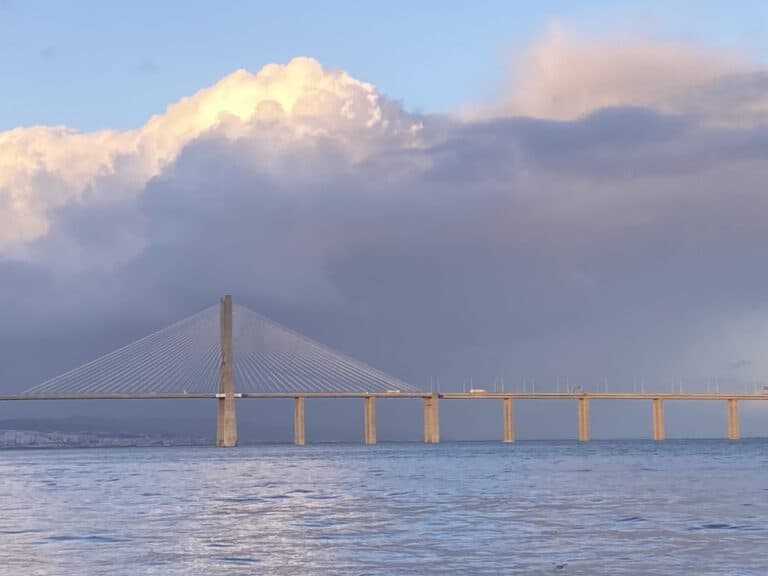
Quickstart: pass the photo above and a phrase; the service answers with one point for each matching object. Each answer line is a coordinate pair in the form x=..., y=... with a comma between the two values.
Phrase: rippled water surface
x=636, y=508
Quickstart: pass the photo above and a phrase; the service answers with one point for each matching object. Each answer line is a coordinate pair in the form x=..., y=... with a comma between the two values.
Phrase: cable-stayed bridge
x=229, y=352
x=185, y=358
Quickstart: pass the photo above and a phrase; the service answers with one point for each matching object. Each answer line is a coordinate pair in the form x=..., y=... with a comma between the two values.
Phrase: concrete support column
x=298, y=421
x=509, y=422
x=658, y=419
x=369, y=409
x=584, y=419
x=733, y=419
x=226, y=422
x=431, y=419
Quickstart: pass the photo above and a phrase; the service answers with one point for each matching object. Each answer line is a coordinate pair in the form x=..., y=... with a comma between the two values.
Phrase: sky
x=536, y=191
x=115, y=64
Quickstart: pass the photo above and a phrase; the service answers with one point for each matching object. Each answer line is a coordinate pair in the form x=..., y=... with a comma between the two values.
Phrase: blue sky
x=95, y=64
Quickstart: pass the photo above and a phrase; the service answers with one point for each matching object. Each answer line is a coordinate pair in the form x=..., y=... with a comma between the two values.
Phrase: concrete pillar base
x=734, y=432
x=509, y=424
x=369, y=411
x=299, y=437
x=226, y=424
x=658, y=419
x=584, y=419
x=431, y=419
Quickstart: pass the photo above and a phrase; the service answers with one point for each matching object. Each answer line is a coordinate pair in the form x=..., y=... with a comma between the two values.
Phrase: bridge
x=227, y=353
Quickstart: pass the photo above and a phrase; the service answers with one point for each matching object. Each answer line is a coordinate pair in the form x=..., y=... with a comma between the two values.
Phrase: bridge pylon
x=226, y=422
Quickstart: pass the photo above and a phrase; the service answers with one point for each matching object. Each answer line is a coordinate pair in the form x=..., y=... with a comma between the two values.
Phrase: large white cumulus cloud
x=43, y=169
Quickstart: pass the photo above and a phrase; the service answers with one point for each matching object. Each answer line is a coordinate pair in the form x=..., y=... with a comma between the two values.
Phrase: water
x=679, y=507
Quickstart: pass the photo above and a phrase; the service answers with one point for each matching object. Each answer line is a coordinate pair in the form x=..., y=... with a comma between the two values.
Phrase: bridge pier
x=299, y=437
x=584, y=419
x=658, y=419
x=226, y=422
x=369, y=411
x=509, y=423
x=733, y=419
x=431, y=419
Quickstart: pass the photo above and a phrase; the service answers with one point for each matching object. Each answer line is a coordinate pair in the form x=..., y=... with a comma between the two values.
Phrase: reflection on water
x=680, y=507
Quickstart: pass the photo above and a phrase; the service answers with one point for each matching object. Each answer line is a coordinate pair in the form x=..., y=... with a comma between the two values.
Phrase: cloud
x=621, y=234
x=564, y=76
x=43, y=169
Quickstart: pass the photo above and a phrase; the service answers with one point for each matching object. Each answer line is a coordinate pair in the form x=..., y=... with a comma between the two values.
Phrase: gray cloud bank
x=626, y=243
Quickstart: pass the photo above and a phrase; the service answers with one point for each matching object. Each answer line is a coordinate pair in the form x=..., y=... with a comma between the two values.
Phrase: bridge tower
x=226, y=423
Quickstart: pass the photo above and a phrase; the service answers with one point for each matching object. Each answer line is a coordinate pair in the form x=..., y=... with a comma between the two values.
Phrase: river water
x=631, y=507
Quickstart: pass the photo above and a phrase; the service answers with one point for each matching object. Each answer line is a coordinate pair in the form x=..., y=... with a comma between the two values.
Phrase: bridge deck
x=442, y=395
